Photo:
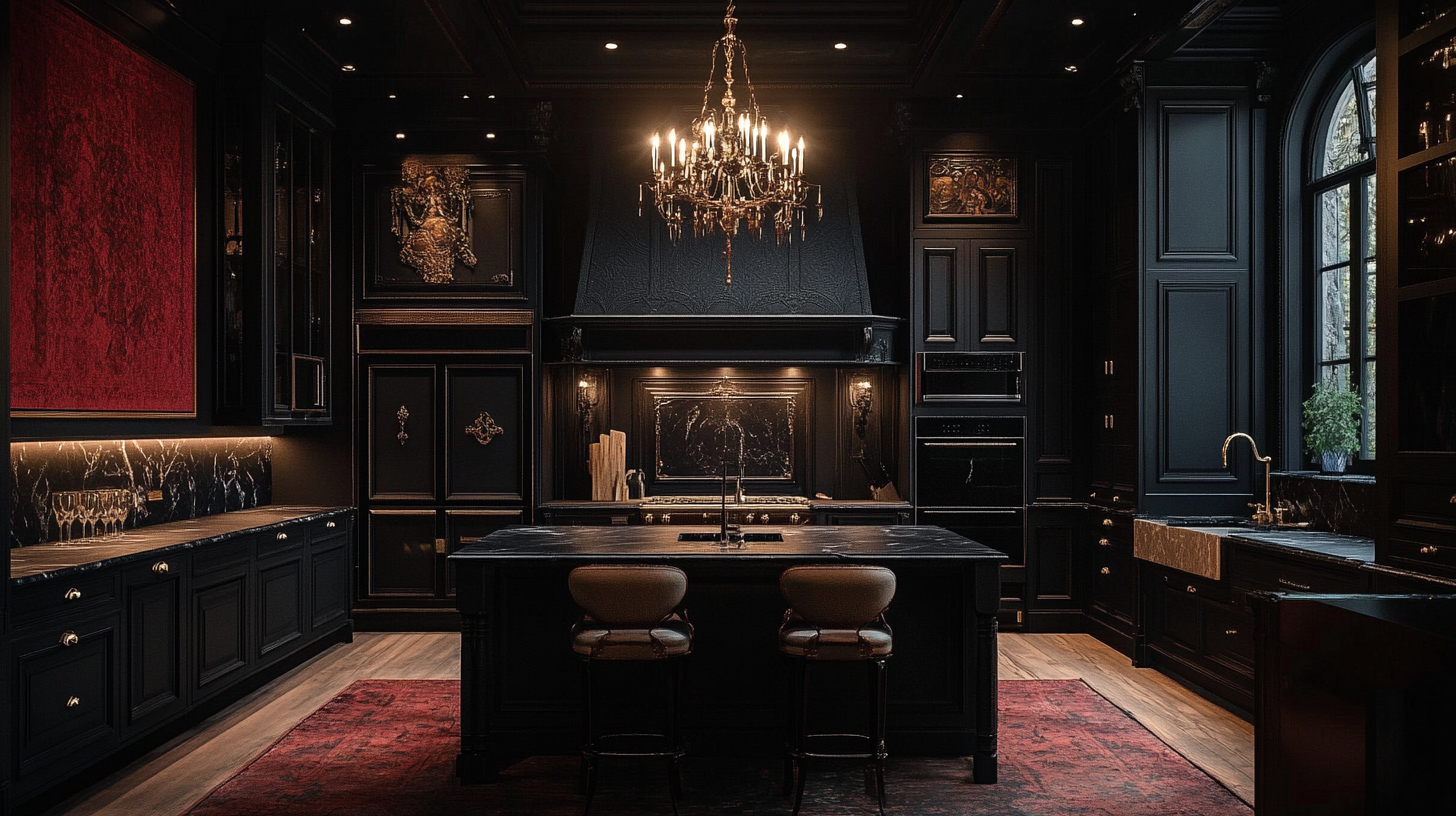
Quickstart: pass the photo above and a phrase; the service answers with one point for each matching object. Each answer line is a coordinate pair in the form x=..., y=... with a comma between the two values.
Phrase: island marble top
x=660, y=541
x=42, y=562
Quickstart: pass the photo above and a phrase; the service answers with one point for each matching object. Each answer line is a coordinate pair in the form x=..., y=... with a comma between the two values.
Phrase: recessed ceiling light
x=960, y=96
x=465, y=96
x=490, y=135
x=399, y=135
x=492, y=96
x=611, y=46
x=1071, y=69
x=841, y=46
x=345, y=21
x=348, y=69
x=1078, y=21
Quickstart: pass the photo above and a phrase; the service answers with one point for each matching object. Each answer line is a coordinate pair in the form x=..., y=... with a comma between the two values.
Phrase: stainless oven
x=968, y=376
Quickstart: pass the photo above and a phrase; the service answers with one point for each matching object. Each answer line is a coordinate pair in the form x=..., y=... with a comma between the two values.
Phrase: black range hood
x=641, y=299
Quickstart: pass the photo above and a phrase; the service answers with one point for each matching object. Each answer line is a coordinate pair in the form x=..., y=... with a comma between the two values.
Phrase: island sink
x=718, y=537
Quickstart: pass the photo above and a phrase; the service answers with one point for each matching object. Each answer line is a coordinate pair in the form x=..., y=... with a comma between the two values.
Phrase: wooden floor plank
x=172, y=778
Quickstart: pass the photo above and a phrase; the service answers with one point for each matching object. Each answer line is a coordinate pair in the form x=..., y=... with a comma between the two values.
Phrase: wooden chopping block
x=618, y=446
x=594, y=467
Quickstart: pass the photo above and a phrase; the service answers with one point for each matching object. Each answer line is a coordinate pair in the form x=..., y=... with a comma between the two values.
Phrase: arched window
x=1340, y=195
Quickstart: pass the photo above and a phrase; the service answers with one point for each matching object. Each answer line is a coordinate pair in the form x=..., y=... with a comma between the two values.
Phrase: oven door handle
x=967, y=512
x=970, y=444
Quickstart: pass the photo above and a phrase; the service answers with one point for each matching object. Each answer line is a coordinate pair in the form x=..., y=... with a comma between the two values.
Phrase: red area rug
x=388, y=747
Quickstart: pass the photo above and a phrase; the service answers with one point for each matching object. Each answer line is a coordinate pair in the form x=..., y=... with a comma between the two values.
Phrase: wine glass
x=90, y=510
x=108, y=511
x=64, y=504
x=122, y=509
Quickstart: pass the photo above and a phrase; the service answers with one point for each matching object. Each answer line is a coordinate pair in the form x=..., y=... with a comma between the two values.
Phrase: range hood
x=640, y=299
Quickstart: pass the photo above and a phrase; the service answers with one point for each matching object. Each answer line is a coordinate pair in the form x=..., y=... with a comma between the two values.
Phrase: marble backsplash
x=194, y=477
x=1334, y=504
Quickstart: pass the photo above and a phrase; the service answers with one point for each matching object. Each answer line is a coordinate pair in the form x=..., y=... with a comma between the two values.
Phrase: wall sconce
x=587, y=398
x=862, y=402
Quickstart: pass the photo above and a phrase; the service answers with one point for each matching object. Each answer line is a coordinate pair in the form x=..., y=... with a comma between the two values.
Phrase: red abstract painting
x=103, y=277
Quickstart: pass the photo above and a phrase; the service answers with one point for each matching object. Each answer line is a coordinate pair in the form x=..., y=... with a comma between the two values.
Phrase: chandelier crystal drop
x=725, y=171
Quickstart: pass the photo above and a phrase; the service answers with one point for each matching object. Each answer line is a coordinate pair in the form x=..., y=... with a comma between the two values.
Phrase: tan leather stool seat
x=801, y=640
x=669, y=638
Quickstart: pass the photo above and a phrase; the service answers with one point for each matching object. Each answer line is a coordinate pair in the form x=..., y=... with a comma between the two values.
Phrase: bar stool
x=836, y=613
x=633, y=612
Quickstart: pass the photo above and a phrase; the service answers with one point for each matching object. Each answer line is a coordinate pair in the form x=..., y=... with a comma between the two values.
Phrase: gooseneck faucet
x=1263, y=513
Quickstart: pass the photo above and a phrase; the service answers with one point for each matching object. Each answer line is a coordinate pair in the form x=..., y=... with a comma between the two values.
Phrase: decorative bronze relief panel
x=432, y=220
x=968, y=185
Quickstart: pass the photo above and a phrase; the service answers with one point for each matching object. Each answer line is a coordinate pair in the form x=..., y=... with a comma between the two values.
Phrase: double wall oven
x=969, y=478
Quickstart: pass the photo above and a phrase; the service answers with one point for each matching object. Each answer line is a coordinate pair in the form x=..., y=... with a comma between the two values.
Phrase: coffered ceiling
x=923, y=48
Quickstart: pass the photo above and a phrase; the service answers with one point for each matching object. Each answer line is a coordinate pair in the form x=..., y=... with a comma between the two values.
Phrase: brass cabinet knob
x=1453, y=498
x=1230, y=631
x=160, y=568
x=763, y=518
x=1117, y=498
x=793, y=518
x=1428, y=550
x=69, y=638
x=666, y=518
x=750, y=517
x=646, y=518
x=1106, y=571
x=73, y=594
x=283, y=536
x=73, y=701
x=1104, y=542
x=1192, y=590
x=331, y=525
x=1107, y=522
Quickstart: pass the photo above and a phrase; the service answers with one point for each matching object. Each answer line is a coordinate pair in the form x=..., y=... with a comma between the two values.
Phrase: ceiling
x=914, y=48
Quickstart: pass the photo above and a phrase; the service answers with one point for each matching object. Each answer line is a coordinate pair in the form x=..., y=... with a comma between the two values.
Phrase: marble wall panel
x=1334, y=504
x=195, y=477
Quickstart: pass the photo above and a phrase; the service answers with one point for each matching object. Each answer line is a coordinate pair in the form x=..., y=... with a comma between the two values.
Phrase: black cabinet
x=1056, y=577
x=106, y=655
x=970, y=294
x=275, y=283
x=447, y=457
x=153, y=597
x=1112, y=596
x=1415, y=291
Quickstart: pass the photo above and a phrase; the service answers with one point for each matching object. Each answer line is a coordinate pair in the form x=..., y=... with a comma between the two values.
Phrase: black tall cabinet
x=1416, y=286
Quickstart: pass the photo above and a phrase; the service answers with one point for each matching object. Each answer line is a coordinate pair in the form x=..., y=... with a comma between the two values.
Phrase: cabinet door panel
x=485, y=433
x=329, y=580
x=401, y=551
x=463, y=526
x=154, y=633
x=402, y=432
x=280, y=604
x=219, y=615
x=940, y=311
x=997, y=278
x=66, y=693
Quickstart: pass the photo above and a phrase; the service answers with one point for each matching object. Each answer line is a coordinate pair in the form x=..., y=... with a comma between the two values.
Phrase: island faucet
x=1264, y=514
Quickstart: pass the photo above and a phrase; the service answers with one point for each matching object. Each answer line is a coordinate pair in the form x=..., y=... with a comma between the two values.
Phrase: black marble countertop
x=1343, y=549
x=643, y=541
x=42, y=562
x=814, y=504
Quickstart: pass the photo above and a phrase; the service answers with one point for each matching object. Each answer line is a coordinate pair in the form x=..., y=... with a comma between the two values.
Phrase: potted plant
x=1332, y=425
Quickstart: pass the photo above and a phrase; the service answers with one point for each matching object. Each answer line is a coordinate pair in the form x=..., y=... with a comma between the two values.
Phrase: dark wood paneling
x=941, y=309
x=1199, y=376
x=997, y=279
x=49, y=674
x=328, y=576
x=280, y=604
x=402, y=453
x=1197, y=204
x=154, y=635
x=219, y=615
x=490, y=470
x=400, y=550
x=1051, y=436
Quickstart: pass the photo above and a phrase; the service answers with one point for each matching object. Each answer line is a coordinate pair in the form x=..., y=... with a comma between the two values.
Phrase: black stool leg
x=588, y=745
x=791, y=693
x=877, y=736
x=801, y=735
x=674, y=781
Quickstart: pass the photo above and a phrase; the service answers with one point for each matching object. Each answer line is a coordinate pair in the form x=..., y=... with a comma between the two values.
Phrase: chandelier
x=723, y=174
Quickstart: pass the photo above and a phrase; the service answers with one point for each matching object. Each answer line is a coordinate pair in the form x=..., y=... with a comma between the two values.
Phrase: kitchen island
x=521, y=684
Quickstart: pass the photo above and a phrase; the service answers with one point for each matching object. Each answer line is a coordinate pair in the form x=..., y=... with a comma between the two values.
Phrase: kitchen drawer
x=293, y=537
x=65, y=681
x=1251, y=571
x=1228, y=636
x=1424, y=503
x=1113, y=527
x=80, y=593
x=1421, y=556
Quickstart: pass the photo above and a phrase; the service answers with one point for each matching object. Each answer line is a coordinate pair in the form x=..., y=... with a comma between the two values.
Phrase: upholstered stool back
x=631, y=612
x=835, y=612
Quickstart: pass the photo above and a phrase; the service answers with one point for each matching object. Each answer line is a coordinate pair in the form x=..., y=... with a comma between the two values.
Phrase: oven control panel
x=970, y=427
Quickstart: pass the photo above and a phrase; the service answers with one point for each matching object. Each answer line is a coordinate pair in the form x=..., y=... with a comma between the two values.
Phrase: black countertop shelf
x=43, y=562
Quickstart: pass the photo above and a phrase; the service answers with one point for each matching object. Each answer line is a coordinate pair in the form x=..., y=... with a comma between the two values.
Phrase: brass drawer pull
x=283, y=536
x=1107, y=522
x=646, y=518
x=1192, y=590
x=160, y=568
x=1117, y=498
x=1453, y=498
x=1230, y=631
x=73, y=701
x=331, y=525
x=1428, y=550
x=1104, y=542
x=69, y=638
x=73, y=594
x=1106, y=571
x=793, y=518
x=1295, y=584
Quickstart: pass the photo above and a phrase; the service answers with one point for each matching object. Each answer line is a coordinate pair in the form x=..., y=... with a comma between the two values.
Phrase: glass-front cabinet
x=273, y=321
x=1417, y=284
